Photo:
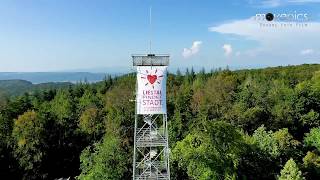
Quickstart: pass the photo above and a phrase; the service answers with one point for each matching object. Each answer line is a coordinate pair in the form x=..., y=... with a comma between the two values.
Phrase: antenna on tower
x=151, y=140
x=150, y=25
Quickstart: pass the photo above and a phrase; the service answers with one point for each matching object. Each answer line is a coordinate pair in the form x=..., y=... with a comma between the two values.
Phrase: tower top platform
x=150, y=59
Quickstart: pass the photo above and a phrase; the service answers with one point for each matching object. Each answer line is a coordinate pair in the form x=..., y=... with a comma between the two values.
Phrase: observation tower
x=151, y=149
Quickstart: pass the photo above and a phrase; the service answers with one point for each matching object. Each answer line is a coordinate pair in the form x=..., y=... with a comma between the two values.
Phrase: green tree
x=62, y=107
x=313, y=138
x=211, y=154
x=182, y=117
x=106, y=160
x=290, y=171
x=5, y=130
x=312, y=159
x=28, y=137
x=311, y=163
x=88, y=100
x=274, y=143
x=3, y=99
x=307, y=103
x=90, y=122
x=281, y=101
x=311, y=119
x=8, y=164
x=118, y=106
x=215, y=98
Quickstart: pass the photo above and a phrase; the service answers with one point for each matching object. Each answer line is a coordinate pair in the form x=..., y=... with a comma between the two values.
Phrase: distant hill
x=18, y=87
x=43, y=77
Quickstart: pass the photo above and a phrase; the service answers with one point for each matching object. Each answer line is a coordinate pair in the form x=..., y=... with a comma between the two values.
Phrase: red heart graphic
x=152, y=78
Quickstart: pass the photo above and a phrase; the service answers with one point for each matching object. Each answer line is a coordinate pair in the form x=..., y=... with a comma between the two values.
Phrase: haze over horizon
x=46, y=36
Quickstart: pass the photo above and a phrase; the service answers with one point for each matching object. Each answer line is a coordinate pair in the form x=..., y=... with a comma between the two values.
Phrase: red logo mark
x=152, y=78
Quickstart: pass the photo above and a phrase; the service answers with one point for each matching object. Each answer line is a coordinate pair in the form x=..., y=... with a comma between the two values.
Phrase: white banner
x=151, y=92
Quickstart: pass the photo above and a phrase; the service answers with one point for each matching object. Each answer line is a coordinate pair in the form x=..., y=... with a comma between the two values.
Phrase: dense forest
x=19, y=87
x=245, y=124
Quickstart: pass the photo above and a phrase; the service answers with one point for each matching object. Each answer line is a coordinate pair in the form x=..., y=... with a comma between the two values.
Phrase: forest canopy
x=244, y=124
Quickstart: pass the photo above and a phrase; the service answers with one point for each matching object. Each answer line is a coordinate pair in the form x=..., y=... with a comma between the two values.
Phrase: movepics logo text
x=293, y=19
x=288, y=17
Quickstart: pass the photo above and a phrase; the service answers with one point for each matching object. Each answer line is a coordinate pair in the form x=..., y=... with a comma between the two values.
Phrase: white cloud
x=307, y=52
x=271, y=44
x=188, y=52
x=251, y=29
x=276, y=36
x=227, y=49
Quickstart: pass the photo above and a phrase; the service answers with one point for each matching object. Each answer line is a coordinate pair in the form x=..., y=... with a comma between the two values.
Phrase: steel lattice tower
x=151, y=148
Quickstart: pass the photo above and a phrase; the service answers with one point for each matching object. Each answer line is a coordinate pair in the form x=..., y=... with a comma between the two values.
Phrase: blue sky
x=60, y=35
